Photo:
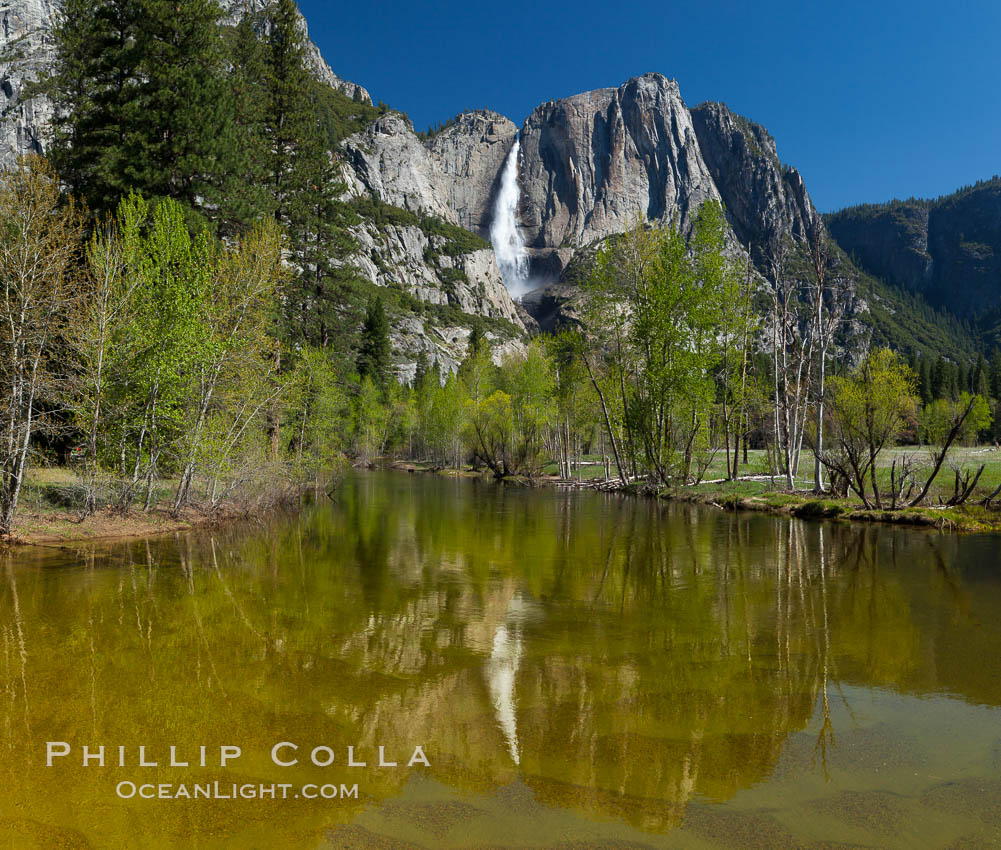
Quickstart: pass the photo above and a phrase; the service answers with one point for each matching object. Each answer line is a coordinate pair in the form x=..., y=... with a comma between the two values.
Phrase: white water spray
x=512, y=258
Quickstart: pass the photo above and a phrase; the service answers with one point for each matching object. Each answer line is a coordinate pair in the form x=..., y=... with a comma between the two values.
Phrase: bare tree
x=829, y=305
x=793, y=345
x=39, y=240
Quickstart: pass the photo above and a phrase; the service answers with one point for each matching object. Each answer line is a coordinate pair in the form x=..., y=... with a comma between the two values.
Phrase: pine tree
x=925, y=381
x=956, y=380
x=183, y=147
x=995, y=373
x=245, y=192
x=293, y=147
x=940, y=379
x=980, y=380
x=323, y=292
x=94, y=87
x=375, y=355
x=476, y=341
x=302, y=182
x=142, y=101
x=421, y=368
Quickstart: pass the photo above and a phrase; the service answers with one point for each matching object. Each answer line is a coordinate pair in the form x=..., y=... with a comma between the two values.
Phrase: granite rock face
x=468, y=156
x=592, y=162
x=388, y=161
x=25, y=53
x=407, y=258
x=452, y=176
x=765, y=200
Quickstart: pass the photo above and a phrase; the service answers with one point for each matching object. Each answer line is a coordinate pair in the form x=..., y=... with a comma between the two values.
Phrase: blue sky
x=869, y=100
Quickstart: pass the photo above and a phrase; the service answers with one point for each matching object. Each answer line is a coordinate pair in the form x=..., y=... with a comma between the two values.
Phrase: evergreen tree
x=940, y=378
x=293, y=149
x=299, y=176
x=995, y=373
x=323, y=291
x=375, y=355
x=421, y=368
x=247, y=198
x=925, y=381
x=94, y=87
x=184, y=143
x=476, y=341
x=980, y=380
x=142, y=101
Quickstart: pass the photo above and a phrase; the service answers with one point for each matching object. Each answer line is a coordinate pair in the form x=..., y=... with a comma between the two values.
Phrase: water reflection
x=614, y=660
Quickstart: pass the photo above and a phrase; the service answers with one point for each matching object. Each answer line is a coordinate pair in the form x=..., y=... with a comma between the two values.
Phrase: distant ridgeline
x=945, y=252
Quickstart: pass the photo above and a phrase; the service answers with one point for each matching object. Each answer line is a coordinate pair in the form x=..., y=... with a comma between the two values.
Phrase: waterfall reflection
x=617, y=657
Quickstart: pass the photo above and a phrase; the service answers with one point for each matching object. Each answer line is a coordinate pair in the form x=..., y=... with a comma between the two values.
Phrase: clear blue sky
x=869, y=100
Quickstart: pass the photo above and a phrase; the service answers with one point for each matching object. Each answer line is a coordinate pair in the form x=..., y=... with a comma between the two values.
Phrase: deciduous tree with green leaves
x=869, y=410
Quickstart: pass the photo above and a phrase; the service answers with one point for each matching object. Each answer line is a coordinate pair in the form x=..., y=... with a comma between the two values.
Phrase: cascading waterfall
x=512, y=258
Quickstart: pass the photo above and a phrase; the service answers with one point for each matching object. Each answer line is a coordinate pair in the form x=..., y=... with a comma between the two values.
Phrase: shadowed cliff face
x=765, y=200
x=592, y=162
x=949, y=249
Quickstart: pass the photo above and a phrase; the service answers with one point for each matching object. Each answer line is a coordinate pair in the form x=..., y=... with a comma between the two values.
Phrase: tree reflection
x=617, y=657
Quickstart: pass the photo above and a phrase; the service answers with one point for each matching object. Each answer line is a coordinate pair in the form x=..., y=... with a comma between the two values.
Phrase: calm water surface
x=581, y=670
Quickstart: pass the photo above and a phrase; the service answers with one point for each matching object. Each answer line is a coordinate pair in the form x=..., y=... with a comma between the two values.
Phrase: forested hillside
x=947, y=250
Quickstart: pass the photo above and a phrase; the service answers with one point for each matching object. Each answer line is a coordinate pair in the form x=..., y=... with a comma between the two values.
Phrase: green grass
x=767, y=494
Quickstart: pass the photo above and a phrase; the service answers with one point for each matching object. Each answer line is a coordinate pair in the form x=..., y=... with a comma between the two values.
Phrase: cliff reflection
x=620, y=658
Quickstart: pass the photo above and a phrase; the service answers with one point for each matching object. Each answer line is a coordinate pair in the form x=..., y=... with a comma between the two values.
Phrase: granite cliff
x=765, y=200
x=948, y=250
x=589, y=164
x=592, y=162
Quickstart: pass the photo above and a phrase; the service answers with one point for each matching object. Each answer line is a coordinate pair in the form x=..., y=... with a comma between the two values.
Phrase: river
x=571, y=669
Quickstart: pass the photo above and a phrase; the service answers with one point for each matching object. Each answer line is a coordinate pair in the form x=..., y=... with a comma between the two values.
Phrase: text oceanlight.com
x=128, y=790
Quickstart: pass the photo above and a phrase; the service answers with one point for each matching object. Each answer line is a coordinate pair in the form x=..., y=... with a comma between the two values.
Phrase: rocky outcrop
x=25, y=54
x=468, y=156
x=388, y=161
x=443, y=345
x=765, y=200
x=407, y=258
x=453, y=175
x=592, y=162
x=445, y=283
x=948, y=250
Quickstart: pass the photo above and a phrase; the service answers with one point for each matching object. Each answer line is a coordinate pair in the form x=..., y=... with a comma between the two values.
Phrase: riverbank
x=51, y=512
x=60, y=528
x=757, y=493
x=974, y=519
x=50, y=515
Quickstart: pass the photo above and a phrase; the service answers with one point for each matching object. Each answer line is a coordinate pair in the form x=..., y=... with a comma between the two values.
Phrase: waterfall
x=512, y=258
